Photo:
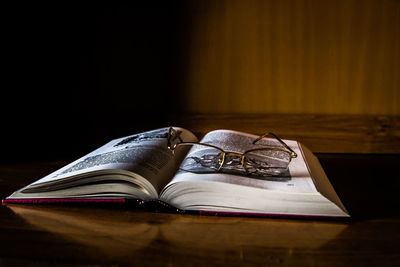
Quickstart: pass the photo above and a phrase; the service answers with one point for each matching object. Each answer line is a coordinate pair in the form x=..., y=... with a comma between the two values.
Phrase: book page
x=322, y=184
x=145, y=154
x=295, y=178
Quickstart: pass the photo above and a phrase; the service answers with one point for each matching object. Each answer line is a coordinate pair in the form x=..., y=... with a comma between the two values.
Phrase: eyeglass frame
x=224, y=153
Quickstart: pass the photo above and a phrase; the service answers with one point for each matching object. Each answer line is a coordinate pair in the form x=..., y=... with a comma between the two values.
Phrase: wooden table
x=368, y=185
x=47, y=235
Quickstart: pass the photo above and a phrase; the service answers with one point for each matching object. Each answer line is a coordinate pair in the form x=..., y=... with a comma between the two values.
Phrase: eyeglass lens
x=205, y=159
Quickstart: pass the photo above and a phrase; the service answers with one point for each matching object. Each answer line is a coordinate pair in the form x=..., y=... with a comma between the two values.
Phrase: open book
x=251, y=178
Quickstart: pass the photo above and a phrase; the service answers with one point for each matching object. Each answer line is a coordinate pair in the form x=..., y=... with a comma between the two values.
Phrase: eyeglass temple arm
x=293, y=154
x=172, y=132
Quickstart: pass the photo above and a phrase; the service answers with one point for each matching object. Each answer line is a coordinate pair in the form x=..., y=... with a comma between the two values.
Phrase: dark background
x=78, y=75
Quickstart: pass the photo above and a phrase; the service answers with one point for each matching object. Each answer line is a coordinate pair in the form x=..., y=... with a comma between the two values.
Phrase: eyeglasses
x=262, y=160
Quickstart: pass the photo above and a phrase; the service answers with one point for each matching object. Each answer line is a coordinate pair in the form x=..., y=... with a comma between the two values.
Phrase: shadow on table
x=367, y=184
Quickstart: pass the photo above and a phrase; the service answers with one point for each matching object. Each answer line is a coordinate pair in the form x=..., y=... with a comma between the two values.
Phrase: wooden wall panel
x=304, y=56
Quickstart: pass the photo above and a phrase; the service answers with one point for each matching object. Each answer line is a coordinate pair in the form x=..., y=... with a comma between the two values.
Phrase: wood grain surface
x=57, y=235
x=93, y=235
x=293, y=56
x=320, y=133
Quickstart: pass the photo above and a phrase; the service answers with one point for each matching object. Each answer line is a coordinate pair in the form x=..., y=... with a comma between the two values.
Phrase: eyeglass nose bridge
x=224, y=154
